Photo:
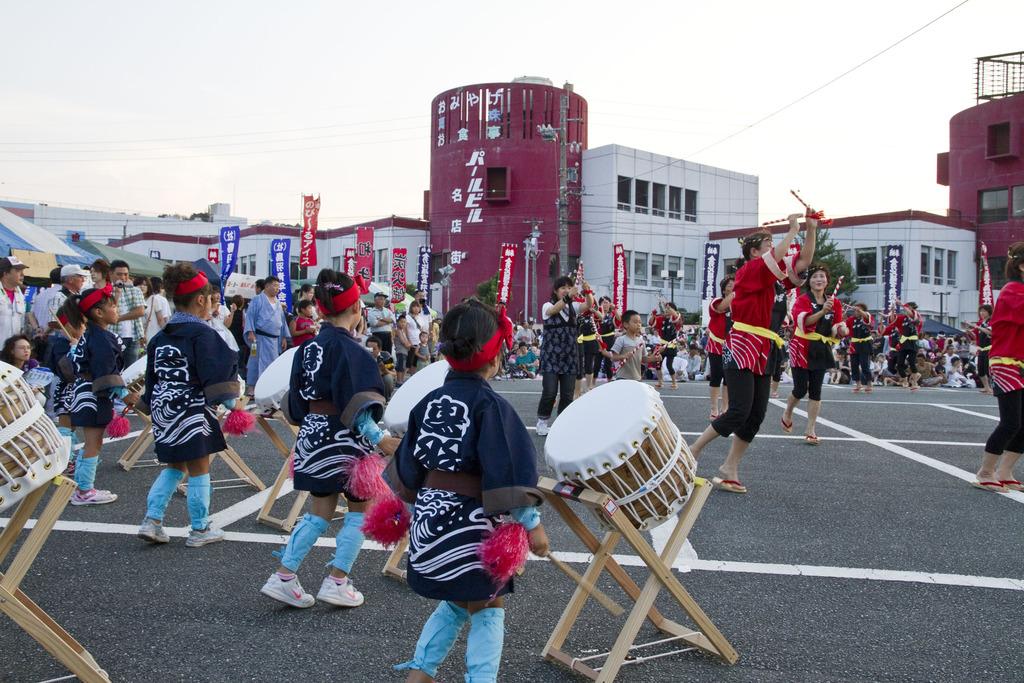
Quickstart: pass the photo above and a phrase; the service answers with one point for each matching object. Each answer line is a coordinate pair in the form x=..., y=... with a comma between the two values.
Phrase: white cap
x=72, y=270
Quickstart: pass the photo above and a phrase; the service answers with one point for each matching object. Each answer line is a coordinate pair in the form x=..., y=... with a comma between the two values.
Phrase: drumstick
x=591, y=590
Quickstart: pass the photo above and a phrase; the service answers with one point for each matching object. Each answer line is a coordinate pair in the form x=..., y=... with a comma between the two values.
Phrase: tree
x=487, y=291
x=827, y=253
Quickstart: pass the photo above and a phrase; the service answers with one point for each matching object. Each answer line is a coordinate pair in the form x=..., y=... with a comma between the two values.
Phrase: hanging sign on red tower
x=506, y=270
x=307, y=241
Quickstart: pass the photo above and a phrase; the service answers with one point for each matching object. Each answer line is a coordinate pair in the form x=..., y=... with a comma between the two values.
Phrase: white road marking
x=994, y=418
x=794, y=437
x=244, y=508
x=129, y=435
x=903, y=452
x=683, y=563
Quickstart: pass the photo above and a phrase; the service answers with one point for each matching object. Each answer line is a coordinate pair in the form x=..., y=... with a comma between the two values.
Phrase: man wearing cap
x=131, y=307
x=267, y=327
x=380, y=321
x=72, y=279
x=12, y=301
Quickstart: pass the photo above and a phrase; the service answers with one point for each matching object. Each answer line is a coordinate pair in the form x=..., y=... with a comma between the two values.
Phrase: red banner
x=506, y=270
x=398, y=266
x=350, y=261
x=307, y=241
x=985, y=286
x=213, y=255
x=364, y=253
x=620, y=279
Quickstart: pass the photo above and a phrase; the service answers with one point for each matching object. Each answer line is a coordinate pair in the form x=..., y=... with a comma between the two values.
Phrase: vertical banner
x=794, y=250
x=892, y=275
x=213, y=255
x=620, y=286
x=506, y=269
x=350, y=261
x=423, y=272
x=228, y=254
x=985, y=286
x=364, y=253
x=280, y=267
x=399, y=256
x=307, y=241
x=712, y=257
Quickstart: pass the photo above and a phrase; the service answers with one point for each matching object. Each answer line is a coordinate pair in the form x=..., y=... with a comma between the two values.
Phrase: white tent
x=41, y=240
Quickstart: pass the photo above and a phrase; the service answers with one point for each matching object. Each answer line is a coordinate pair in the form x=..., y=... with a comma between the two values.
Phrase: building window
x=673, y=266
x=997, y=271
x=497, y=183
x=640, y=192
x=938, y=270
x=382, y=266
x=691, y=206
x=657, y=265
x=690, y=273
x=639, y=270
x=675, y=202
x=867, y=266
x=993, y=205
x=295, y=272
x=625, y=196
x=247, y=265
x=1018, y=201
x=926, y=264
x=847, y=255
x=658, y=200
x=951, y=268
x=336, y=264
x=998, y=143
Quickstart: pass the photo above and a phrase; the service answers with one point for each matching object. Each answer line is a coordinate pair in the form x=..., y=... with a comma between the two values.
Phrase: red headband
x=487, y=353
x=343, y=300
x=62, y=319
x=87, y=302
x=193, y=285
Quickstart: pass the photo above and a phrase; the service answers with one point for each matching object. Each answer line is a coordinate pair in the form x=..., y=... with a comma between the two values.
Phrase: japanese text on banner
x=620, y=285
x=398, y=268
x=892, y=275
x=228, y=254
x=985, y=286
x=307, y=242
x=280, y=267
x=364, y=253
x=350, y=261
x=423, y=272
x=506, y=271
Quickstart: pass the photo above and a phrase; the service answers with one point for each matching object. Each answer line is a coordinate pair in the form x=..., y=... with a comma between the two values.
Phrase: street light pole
x=563, y=184
x=530, y=250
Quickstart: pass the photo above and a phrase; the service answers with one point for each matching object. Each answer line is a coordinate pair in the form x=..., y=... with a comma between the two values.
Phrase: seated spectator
x=385, y=364
x=957, y=379
x=930, y=376
x=17, y=351
x=693, y=364
x=526, y=359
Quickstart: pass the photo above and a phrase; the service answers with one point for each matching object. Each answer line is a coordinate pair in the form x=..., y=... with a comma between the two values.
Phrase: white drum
x=412, y=391
x=618, y=439
x=273, y=383
x=32, y=451
x=134, y=376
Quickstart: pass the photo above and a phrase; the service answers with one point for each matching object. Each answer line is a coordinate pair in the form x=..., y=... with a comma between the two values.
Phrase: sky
x=168, y=107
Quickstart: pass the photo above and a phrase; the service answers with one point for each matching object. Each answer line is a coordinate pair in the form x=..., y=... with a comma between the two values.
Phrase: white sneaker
x=289, y=592
x=153, y=532
x=542, y=427
x=339, y=594
x=197, y=539
x=92, y=497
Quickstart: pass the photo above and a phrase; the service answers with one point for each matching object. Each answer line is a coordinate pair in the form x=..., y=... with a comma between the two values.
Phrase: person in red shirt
x=1006, y=367
x=303, y=328
x=981, y=334
x=752, y=347
x=817, y=325
x=719, y=323
x=667, y=326
x=909, y=325
x=860, y=323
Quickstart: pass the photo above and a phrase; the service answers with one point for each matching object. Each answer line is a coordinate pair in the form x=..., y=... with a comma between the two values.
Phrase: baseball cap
x=10, y=262
x=72, y=270
x=380, y=294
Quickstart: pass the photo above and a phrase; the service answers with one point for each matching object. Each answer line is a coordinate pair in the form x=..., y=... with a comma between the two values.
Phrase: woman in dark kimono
x=336, y=396
x=93, y=370
x=466, y=462
x=558, y=353
x=61, y=390
x=189, y=370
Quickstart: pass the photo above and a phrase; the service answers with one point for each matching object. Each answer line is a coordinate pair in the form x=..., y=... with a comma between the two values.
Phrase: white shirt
x=216, y=321
x=156, y=304
x=12, y=315
x=41, y=306
x=564, y=313
x=412, y=330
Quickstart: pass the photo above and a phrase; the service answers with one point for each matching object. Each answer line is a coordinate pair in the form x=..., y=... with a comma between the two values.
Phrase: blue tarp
x=83, y=258
x=9, y=240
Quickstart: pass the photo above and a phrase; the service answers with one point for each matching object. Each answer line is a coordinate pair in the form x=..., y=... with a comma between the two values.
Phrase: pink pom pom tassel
x=239, y=422
x=504, y=552
x=118, y=427
x=387, y=521
x=364, y=477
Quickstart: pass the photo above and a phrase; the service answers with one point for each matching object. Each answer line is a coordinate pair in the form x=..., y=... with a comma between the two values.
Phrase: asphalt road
x=867, y=558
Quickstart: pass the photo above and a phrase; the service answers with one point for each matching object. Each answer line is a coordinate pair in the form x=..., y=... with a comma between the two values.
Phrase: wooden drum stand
x=707, y=637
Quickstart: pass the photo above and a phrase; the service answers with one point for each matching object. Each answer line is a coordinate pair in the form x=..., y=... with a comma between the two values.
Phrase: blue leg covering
x=436, y=638
x=483, y=649
x=348, y=542
x=199, y=501
x=304, y=535
x=85, y=472
x=161, y=491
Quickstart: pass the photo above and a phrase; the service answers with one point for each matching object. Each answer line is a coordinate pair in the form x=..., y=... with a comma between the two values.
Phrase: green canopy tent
x=137, y=263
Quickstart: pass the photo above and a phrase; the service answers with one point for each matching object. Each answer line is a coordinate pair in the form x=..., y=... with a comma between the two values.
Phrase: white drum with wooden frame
x=272, y=385
x=618, y=439
x=412, y=391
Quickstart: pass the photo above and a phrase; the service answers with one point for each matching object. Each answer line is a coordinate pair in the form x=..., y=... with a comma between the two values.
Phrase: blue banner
x=711, y=258
x=892, y=274
x=423, y=272
x=228, y=255
x=280, y=267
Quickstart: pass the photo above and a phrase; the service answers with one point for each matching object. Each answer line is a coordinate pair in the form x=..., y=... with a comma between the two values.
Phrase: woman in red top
x=817, y=324
x=909, y=325
x=1006, y=367
x=748, y=345
x=303, y=328
x=720, y=320
x=667, y=325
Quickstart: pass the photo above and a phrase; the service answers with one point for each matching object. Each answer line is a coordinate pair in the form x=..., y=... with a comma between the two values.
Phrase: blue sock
x=199, y=501
x=161, y=491
x=349, y=541
x=436, y=638
x=85, y=472
x=304, y=535
x=483, y=647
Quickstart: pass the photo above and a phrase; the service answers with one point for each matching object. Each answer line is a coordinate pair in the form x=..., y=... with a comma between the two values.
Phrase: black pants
x=715, y=372
x=1009, y=433
x=906, y=360
x=982, y=364
x=860, y=366
x=748, y=403
x=806, y=382
x=604, y=366
x=385, y=340
x=552, y=385
x=776, y=362
x=669, y=356
x=591, y=354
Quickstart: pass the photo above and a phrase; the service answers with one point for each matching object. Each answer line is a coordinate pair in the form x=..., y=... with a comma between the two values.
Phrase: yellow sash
x=1006, y=360
x=985, y=348
x=858, y=340
x=590, y=337
x=814, y=336
x=759, y=331
x=904, y=340
x=717, y=339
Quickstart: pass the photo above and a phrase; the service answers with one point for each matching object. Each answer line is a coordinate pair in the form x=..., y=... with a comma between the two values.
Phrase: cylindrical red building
x=493, y=171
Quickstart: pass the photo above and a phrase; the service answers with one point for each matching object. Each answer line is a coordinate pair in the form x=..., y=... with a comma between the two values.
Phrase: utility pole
x=563, y=182
x=530, y=250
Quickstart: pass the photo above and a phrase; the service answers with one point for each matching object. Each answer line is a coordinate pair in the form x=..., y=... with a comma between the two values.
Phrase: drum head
x=134, y=371
x=601, y=428
x=273, y=383
x=396, y=414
